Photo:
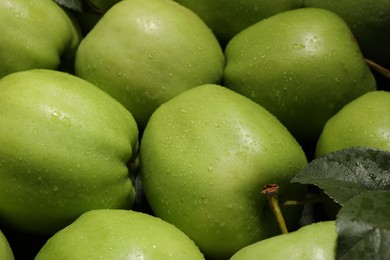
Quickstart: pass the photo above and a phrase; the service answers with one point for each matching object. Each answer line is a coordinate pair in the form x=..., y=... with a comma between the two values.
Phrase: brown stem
x=271, y=191
x=380, y=69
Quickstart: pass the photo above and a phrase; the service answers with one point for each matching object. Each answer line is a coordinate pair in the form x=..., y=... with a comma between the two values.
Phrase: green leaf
x=349, y=172
x=100, y=6
x=76, y=5
x=363, y=227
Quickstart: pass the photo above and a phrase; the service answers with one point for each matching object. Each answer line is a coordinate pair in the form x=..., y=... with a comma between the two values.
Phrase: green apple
x=35, y=34
x=302, y=65
x=5, y=248
x=364, y=121
x=369, y=21
x=64, y=149
x=205, y=157
x=119, y=234
x=227, y=18
x=315, y=241
x=144, y=52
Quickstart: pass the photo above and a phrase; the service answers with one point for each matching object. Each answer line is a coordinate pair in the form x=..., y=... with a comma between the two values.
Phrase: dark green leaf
x=76, y=5
x=363, y=227
x=349, y=172
x=99, y=6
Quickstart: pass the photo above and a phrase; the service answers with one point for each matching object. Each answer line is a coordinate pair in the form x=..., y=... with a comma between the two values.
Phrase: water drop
x=298, y=46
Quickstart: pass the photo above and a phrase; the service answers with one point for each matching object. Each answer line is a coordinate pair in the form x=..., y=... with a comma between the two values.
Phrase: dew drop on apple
x=253, y=93
x=298, y=46
x=138, y=257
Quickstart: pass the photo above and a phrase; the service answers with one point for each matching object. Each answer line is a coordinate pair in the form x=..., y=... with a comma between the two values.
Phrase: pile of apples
x=151, y=129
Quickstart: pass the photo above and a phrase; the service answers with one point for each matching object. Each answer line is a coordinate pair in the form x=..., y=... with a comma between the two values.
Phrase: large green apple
x=315, y=241
x=64, y=149
x=144, y=52
x=119, y=234
x=369, y=21
x=5, y=248
x=364, y=121
x=302, y=65
x=227, y=18
x=35, y=34
x=205, y=157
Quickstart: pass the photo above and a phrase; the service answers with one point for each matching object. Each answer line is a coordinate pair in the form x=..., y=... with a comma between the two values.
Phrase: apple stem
x=271, y=191
x=375, y=66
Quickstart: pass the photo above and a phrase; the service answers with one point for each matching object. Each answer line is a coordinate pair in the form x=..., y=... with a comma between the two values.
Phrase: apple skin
x=364, y=121
x=205, y=157
x=314, y=241
x=144, y=52
x=119, y=234
x=5, y=248
x=227, y=18
x=369, y=21
x=45, y=34
x=64, y=149
x=302, y=65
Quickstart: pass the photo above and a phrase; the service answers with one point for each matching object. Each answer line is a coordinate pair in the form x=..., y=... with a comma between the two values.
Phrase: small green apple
x=364, y=121
x=64, y=149
x=316, y=241
x=144, y=52
x=369, y=21
x=302, y=65
x=119, y=234
x=227, y=18
x=35, y=34
x=5, y=248
x=205, y=157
